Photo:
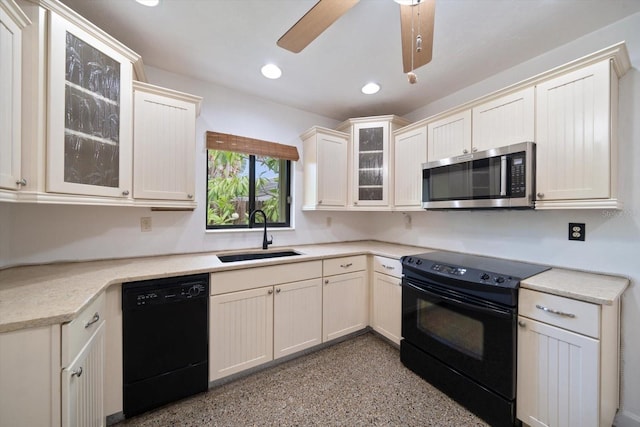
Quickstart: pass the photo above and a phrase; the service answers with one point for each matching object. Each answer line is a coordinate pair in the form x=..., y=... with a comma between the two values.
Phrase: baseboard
x=626, y=419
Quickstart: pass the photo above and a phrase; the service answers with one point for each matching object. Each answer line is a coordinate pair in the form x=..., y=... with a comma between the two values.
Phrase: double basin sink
x=248, y=256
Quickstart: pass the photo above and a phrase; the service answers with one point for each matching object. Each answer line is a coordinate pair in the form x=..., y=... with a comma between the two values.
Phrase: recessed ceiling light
x=271, y=71
x=370, y=88
x=150, y=3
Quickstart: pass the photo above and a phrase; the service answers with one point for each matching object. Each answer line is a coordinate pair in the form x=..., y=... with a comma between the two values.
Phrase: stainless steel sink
x=247, y=256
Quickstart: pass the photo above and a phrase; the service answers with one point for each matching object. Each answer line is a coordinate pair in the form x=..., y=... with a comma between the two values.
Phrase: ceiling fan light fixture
x=370, y=88
x=149, y=3
x=271, y=71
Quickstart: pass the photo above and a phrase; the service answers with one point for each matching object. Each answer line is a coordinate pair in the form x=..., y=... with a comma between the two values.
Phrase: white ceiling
x=227, y=42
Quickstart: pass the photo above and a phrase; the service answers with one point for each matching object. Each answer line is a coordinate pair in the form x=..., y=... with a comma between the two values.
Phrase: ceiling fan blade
x=313, y=23
x=422, y=21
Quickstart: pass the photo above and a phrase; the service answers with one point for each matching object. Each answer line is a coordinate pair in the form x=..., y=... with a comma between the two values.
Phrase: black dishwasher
x=165, y=341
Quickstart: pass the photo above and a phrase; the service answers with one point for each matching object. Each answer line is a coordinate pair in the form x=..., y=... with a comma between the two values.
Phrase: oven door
x=475, y=338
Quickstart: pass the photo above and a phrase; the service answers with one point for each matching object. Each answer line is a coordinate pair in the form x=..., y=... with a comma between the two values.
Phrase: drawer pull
x=346, y=265
x=522, y=323
x=550, y=310
x=77, y=372
x=389, y=267
x=93, y=320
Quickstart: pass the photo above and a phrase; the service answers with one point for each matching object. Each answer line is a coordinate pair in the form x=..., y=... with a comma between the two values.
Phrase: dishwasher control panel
x=164, y=291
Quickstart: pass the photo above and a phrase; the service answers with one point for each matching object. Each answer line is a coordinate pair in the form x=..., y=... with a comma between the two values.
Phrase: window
x=245, y=174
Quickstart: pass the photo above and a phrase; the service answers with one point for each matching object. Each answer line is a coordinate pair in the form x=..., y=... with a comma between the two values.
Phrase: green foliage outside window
x=238, y=183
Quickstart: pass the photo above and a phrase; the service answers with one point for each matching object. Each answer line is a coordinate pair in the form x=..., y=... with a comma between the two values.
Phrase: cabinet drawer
x=77, y=333
x=251, y=278
x=345, y=264
x=389, y=266
x=573, y=315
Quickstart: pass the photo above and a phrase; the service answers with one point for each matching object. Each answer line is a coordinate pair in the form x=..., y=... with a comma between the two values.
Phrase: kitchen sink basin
x=255, y=255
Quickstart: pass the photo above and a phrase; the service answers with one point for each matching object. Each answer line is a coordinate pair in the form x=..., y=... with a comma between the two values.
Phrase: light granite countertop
x=32, y=296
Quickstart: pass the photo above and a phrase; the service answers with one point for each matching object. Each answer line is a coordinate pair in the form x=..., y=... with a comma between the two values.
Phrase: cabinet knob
x=540, y=195
x=465, y=151
x=326, y=281
x=77, y=372
x=22, y=181
x=190, y=196
x=270, y=291
x=474, y=149
x=278, y=290
x=319, y=202
x=522, y=323
x=125, y=193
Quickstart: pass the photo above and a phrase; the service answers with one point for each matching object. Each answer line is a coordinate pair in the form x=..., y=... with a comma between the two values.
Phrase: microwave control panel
x=518, y=174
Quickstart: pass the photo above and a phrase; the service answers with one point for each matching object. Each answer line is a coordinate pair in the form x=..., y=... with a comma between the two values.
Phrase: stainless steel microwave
x=497, y=178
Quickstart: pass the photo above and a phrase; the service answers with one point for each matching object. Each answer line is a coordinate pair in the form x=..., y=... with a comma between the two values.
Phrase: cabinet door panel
x=89, y=147
x=558, y=376
x=10, y=105
x=297, y=319
x=450, y=136
x=573, y=135
x=83, y=385
x=410, y=152
x=371, y=163
x=164, y=147
x=344, y=308
x=241, y=331
x=504, y=121
x=332, y=170
x=387, y=306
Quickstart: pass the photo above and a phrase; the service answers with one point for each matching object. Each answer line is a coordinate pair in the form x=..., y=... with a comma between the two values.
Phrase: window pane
x=271, y=188
x=227, y=188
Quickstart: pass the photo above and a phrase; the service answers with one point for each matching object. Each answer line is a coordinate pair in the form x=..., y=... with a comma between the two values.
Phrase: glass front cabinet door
x=89, y=147
x=371, y=160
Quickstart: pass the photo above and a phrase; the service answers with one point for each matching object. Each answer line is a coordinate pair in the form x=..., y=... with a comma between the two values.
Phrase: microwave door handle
x=503, y=175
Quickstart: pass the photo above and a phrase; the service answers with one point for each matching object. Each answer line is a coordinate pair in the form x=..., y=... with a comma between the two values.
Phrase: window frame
x=285, y=196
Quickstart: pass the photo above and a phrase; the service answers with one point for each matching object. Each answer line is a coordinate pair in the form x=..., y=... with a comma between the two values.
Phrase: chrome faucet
x=265, y=242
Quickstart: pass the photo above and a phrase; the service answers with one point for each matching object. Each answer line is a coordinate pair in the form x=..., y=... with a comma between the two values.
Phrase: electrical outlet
x=577, y=231
x=145, y=223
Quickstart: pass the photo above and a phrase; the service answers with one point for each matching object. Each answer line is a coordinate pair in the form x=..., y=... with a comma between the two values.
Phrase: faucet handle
x=270, y=241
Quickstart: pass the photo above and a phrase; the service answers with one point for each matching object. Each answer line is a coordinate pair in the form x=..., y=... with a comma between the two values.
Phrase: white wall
x=48, y=233
x=613, y=237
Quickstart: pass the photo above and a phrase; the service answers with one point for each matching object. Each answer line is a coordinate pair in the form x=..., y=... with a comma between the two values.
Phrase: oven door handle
x=475, y=307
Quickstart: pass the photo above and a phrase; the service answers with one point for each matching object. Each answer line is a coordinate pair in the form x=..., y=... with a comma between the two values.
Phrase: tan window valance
x=258, y=147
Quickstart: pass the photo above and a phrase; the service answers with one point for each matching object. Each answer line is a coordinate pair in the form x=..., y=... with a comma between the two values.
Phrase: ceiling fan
x=416, y=27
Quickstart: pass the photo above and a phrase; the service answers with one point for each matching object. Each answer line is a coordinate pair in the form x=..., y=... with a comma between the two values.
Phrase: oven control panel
x=456, y=271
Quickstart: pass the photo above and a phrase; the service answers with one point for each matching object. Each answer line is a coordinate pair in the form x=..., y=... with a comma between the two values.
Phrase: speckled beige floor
x=359, y=382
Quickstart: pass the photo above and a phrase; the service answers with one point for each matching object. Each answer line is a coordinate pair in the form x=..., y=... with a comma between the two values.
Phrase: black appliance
x=459, y=328
x=497, y=178
x=165, y=341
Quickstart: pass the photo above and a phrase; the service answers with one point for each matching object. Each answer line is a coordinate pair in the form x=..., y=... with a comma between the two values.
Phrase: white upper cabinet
x=325, y=160
x=371, y=158
x=12, y=21
x=576, y=146
x=89, y=147
x=164, y=145
x=410, y=152
x=449, y=136
x=504, y=121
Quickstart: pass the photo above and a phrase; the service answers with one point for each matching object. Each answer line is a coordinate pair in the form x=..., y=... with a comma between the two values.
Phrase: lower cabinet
x=83, y=385
x=83, y=361
x=344, y=296
x=30, y=377
x=567, y=361
x=386, y=315
x=252, y=327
